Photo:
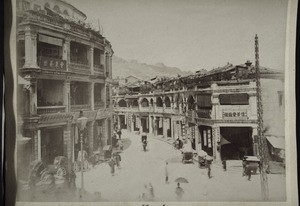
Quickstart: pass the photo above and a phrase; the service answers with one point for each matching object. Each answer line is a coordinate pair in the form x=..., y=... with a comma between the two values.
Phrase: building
x=68, y=67
x=216, y=111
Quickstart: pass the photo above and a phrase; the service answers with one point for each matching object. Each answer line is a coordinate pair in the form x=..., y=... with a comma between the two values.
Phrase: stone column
x=132, y=123
x=66, y=52
x=39, y=144
x=30, y=49
x=103, y=94
x=150, y=125
x=36, y=145
x=215, y=139
x=215, y=107
x=119, y=121
x=68, y=144
x=165, y=127
x=254, y=140
x=91, y=54
x=92, y=98
x=66, y=95
x=104, y=132
x=90, y=127
x=33, y=96
x=102, y=62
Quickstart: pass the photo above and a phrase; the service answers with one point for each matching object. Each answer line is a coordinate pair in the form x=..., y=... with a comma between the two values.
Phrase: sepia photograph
x=147, y=102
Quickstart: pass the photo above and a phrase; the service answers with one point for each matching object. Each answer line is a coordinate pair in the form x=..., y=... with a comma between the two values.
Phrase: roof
x=276, y=142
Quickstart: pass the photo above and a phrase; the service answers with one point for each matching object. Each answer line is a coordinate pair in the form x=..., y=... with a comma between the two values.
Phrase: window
x=26, y=5
x=204, y=101
x=234, y=99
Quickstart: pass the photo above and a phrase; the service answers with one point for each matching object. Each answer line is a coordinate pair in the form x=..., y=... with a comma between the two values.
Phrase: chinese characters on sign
x=234, y=114
x=51, y=63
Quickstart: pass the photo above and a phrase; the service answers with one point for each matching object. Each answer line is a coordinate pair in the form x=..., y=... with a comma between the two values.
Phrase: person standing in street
x=117, y=160
x=119, y=133
x=112, y=166
x=179, y=192
x=248, y=172
x=224, y=164
x=166, y=173
x=208, y=169
x=151, y=192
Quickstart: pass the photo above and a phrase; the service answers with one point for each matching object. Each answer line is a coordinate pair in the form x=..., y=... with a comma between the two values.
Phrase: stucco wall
x=273, y=113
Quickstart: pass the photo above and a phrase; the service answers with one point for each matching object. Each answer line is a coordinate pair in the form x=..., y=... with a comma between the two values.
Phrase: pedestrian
x=144, y=195
x=166, y=173
x=112, y=166
x=224, y=164
x=208, y=169
x=151, y=192
x=118, y=160
x=119, y=133
x=120, y=143
x=248, y=172
x=244, y=167
x=72, y=180
x=179, y=192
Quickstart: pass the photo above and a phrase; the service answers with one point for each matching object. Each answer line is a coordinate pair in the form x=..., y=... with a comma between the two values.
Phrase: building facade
x=68, y=67
x=215, y=111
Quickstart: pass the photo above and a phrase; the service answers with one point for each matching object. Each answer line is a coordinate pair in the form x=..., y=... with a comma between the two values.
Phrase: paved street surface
x=139, y=168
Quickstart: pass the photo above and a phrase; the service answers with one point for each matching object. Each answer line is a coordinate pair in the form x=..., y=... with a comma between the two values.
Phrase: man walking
x=179, y=192
x=119, y=133
x=224, y=164
x=166, y=173
x=112, y=166
x=208, y=169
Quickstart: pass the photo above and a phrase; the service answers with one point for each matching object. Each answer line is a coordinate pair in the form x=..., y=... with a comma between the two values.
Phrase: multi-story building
x=216, y=111
x=69, y=67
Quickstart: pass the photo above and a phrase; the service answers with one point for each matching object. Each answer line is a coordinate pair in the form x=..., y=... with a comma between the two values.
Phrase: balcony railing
x=51, y=109
x=80, y=107
x=80, y=68
x=99, y=105
x=52, y=63
x=99, y=70
x=41, y=17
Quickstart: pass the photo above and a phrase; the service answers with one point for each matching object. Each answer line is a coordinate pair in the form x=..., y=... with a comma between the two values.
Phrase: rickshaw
x=252, y=163
x=187, y=156
x=37, y=168
x=58, y=169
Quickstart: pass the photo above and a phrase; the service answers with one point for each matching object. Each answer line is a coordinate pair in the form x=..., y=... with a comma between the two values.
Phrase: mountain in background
x=123, y=68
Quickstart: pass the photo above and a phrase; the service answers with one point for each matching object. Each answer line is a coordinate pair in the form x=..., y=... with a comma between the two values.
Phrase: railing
x=80, y=107
x=40, y=17
x=204, y=113
x=52, y=63
x=99, y=70
x=80, y=68
x=51, y=109
x=99, y=105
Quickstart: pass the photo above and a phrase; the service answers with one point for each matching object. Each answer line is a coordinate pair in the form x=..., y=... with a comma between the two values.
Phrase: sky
x=192, y=34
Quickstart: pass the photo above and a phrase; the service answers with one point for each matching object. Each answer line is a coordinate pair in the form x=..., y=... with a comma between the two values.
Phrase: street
x=139, y=168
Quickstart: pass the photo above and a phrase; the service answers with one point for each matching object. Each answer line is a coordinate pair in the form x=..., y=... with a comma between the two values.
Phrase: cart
x=252, y=163
x=187, y=157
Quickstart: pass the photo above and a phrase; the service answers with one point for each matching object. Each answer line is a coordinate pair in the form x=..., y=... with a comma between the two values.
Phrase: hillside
x=123, y=68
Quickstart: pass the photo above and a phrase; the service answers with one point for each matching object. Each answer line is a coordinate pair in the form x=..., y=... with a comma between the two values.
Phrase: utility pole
x=263, y=149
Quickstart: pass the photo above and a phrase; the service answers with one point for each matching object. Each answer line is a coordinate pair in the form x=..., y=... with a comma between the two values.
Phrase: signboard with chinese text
x=234, y=114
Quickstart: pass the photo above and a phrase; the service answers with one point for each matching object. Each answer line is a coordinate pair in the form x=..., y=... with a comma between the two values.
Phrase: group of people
x=115, y=160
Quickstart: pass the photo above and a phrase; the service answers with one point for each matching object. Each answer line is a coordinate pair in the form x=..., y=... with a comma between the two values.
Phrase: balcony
x=51, y=109
x=75, y=108
x=41, y=17
x=204, y=113
x=99, y=105
x=99, y=70
x=52, y=63
x=80, y=67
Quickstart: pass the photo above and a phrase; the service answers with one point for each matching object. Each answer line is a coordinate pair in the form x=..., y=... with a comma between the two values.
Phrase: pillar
x=255, y=141
x=165, y=127
x=66, y=52
x=91, y=56
x=119, y=121
x=150, y=125
x=36, y=145
x=30, y=49
x=66, y=95
x=90, y=128
x=102, y=61
x=33, y=96
x=103, y=94
x=68, y=144
x=215, y=113
x=92, y=98
x=39, y=143
x=104, y=132
x=132, y=123
x=215, y=139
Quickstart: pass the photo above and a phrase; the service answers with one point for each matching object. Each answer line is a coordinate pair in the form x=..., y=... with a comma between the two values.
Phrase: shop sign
x=236, y=114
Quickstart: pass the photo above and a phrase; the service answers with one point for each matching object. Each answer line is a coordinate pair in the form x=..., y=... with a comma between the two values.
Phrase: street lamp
x=81, y=123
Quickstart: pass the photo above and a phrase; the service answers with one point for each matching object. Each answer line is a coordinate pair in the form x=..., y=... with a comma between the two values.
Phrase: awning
x=276, y=142
x=224, y=141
